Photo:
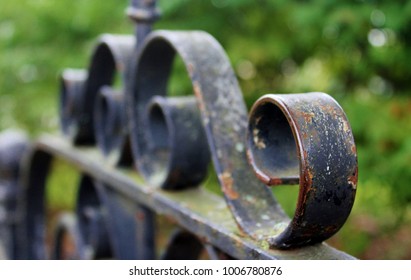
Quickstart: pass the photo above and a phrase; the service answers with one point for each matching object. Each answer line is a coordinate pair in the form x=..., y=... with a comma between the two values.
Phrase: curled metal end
x=79, y=88
x=177, y=143
x=72, y=86
x=305, y=139
x=13, y=145
x=110, y=127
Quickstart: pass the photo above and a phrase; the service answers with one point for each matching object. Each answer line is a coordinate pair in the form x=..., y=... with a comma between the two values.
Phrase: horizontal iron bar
x=198, y=210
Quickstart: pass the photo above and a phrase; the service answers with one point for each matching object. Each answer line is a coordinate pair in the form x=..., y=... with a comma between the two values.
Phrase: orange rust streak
x=306, y=187
x=275, y=182
x=308, y=117
x=353, y=179
x=227, y=184
x=354, y=149
x=190, y=69
x=198, y=94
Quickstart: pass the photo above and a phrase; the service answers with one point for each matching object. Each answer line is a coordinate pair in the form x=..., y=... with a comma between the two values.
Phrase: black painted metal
x=183, y=246
x=224, y=117
x=291, y=139
x=13, y=145
x=79, y=90
x=144, y=13
x=72, y=83
x=305, y=138
x=92, y=223
x=204, y=214
x=177, y=152
x=110, y=126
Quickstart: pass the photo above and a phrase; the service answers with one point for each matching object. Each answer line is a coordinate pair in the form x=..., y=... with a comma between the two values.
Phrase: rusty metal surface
x=300, y=139
x=224, y=117
x=174, y=145
x=80, y=88
x=202, y=213
x=110, y=126
x=305, y=138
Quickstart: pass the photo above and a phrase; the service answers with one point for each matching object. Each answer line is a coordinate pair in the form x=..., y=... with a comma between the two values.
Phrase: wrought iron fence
x=111, y=132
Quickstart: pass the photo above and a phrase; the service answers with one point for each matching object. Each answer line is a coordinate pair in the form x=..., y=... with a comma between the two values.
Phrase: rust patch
x=227, y=183
x=306, y=187
x=329, y=109
x=308, y=116
x=354, y=149
x=353, y=179
x=262, y=177
x=345, y=126
x=309, y=177
x=190, y=69
x=305, y=154
x=199, y=95
x=275, y=181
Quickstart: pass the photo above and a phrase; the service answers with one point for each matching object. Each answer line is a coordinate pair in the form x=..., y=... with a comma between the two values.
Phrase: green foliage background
x=355, y=50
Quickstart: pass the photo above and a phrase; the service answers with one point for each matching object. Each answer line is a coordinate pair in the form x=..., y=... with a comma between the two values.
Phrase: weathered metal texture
x=31, y=205
x=92, y=223
x=215, y=253
x=174, y=143
x=224, y=117
x=13, y=145
x=110, y=126
x=79, y=91
x=131, y=227
x=183, y=246
x=144, y=13
x=305, y=138
x=72, y=83
x=68, y=243
x=202, y=213
x=111, y=225
x=107, y=223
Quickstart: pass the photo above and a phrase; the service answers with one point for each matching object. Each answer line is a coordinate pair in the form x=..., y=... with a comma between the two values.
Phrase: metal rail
x=197, y=210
